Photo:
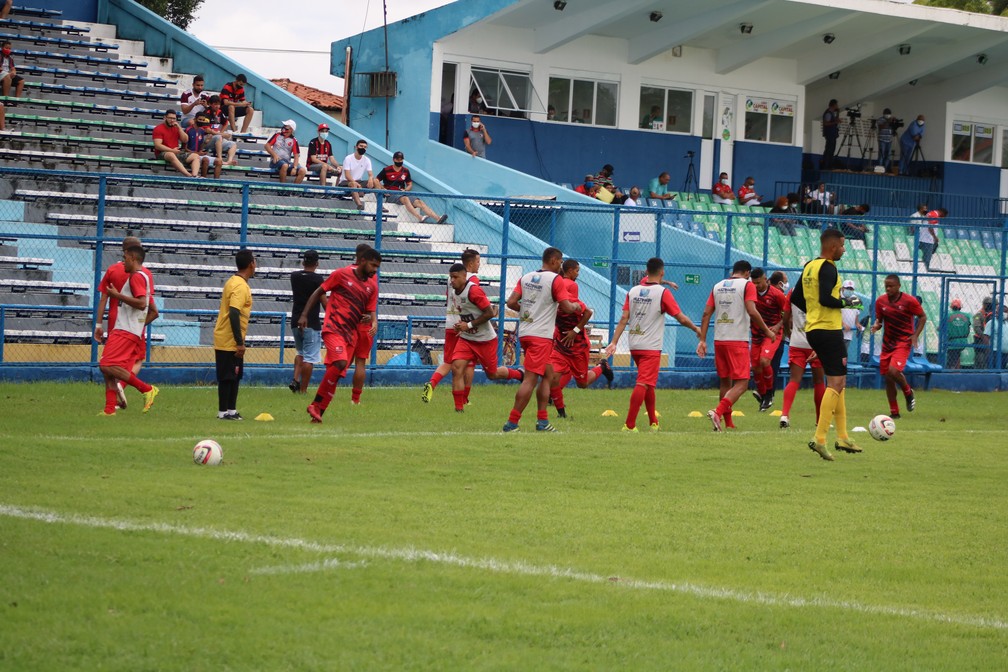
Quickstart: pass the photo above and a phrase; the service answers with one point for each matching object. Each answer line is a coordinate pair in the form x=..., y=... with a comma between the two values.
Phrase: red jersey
x=898, y=317
x=567, y=321
x=745, y=194
x=350, y=298
x=771, y=304
x=723, y=191
x=229, y=92
x=395, y=179
x=116, y=276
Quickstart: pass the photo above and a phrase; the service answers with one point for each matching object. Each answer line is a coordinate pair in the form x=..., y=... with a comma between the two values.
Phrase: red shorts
x=336, y=348
x=120, y=349
x=895, y=358
x=763, y=348
x=483, y=352
x=450, y=339
x=362, y=344
x=800, y=357
x=648, y=362
x=538, y=352
x=574, y=363
x=731, y=359
x=141, y=348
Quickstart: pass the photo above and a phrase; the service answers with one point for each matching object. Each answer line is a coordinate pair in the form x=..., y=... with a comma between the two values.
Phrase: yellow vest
x=817, y=315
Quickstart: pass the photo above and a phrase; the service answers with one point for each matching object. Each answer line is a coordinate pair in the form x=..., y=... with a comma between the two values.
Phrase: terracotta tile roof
x=314, y=97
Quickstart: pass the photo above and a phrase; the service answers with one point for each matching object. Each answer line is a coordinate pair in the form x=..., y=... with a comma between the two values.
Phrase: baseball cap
x=310, y=256
x=848, y=284
x=956, y=304
x=398, y=155
x=323, y=127
x=289, y=122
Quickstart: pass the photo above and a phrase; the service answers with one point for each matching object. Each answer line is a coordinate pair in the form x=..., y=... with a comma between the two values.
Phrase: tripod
x=690, y=183
x=868, y=153
x=851, y=135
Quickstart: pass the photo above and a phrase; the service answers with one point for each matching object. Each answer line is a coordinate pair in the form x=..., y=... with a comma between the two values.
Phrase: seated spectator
x=650, y=120
x=747, y=193
x=818, y=201
x=320, y=156
x=168, y=141
x=722, y=192
x=853, y=230
x=5, y=9
x=587, y=187
x=285, y=154
x=785, y=225
x=397, y=178
x=356, y=167
x=8, y=73
x=633, y=200
x=218, y=135
x=193, y=101
x=233, y=99
x=658, y=188
x=196, y=133
x=603, y=180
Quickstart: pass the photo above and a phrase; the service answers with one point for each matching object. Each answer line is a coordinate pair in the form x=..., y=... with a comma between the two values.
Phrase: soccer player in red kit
x=366, y=331
x=800, y=355
x=571, y=349
x=353, y=292
x=771, y=304
x=644, y=309
x=897, y=311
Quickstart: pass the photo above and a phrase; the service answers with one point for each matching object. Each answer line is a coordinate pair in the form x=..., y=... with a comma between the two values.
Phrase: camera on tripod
x=895, y=124
x=689, y=154
x=854, y=112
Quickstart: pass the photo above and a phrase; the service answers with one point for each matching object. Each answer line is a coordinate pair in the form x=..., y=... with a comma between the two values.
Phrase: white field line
x=519, y=568
x=327, y=564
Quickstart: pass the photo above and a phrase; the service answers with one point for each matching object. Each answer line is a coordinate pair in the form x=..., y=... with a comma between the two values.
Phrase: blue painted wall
x=73, y=10
x=967, y=178
x=767, y=163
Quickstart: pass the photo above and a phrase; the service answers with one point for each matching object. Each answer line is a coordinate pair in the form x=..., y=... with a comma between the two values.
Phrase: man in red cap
x=320, y=156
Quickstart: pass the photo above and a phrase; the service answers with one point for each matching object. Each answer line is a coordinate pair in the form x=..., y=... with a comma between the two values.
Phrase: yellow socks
x=831, y=399
x=840, y=415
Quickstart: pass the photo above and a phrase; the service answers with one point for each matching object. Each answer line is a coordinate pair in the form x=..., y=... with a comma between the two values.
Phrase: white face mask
x=785, y=287
x=475, y=124
x=920, y=123
x=323, y=136
x=848, y=292
x=724, y=181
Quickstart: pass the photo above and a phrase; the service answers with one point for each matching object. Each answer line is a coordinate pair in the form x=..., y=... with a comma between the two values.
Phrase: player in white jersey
x=471, y=261
x=536, y=299
x=733, y=302
x=800, y=354
x=644, y=310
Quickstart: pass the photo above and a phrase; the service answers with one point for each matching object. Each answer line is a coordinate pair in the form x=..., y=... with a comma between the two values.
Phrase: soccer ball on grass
x=881, y=428
x=209, y=452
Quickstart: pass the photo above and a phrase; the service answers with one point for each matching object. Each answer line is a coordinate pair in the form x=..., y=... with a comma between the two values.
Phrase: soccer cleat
x=894, y=416
x=235, y=416
x=715, y=419
x=294, y=386
x=654, y=427
x=544, y=426
x=120, y=395
x=149, y=397
x=561, y=413
x=911, y=401
x=428, y=392
x=103, y=414
x=766, y=403
x=847, y=446
x=607, y=372
x=820, y=448
x=784, y=422
x=315, y=412
x=628, y=429
x=510, y=427
x=758, y=397
x=460, y=410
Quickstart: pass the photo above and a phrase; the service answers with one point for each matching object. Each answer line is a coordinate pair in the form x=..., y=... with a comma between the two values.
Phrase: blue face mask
x=323, y=136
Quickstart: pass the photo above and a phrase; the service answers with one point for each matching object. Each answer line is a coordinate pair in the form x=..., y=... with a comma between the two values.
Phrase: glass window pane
x=559, y=97
x=709, y=103
x=781, y=129
x=983, y=143
x=680, y=111
x=583, y=102
x=756, y=126
x=488, y=83
x=605, y=112
x=652, y=107
x=961, y=137
x=520, y=87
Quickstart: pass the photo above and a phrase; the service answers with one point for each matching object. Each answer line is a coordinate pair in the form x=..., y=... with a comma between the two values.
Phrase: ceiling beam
x=676, y=33
x=982, y=79
x=749, y=49
x=844, y=53
x=570, y=25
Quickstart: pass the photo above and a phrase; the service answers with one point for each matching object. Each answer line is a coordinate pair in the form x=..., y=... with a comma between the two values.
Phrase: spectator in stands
x=607, y=188
x=747, y=193
x=830, y=131
x=633, y=200
x=551, y=113
x=196, y=133
x=193, y=101
x=849, y=316
x=5, y=9
x=909, y=141
x=397, y=178
x=320, y=156
x=650, y=120
x=476, y=137
x=218, y=134
x=819, y=201
x=233, y=99
x=8, y=73
x=851, y=229
x=476, y=104
x=927, y=243
x=355, y=167
x=996, y=333
x=658, y=188
x=981, y=342
x=917, y=218
x=169, y=138
x=884, y=126
x=784, y=224
x=285, y=154
x=722, y=192
x=957, y=330
x=587, y=187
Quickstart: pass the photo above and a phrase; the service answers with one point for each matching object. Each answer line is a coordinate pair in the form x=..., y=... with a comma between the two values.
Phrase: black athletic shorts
x=229, y=367
x=831, y=349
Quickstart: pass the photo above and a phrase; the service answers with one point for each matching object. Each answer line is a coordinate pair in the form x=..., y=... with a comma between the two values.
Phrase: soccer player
x=644, y=309
x=779, y=280
x=571, y=349
x=896, y=311
x=119, y=354
x=353, y=292
x=734, y=299
x=307, y=341
x=771, y=304
x=366, y=331
x=229, y=335
x=477, y=339
x=536, y=298
x=116, y=276
x=818, y=294
x=800, y=355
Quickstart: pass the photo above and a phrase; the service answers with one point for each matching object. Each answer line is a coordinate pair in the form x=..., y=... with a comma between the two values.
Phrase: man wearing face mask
x=747, y=193
x=355, y=167
x=476, y=138
x=8, y=73
x=320, y=156
x=397, y=178
x=285, y=153
x=909, y=141
x=722, y=192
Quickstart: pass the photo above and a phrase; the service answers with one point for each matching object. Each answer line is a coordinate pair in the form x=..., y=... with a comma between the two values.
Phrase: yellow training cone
x=609, y=414
x=737, y=414
x=264, y=417
x=657, y=414
x=776, y=414
x=695, y=414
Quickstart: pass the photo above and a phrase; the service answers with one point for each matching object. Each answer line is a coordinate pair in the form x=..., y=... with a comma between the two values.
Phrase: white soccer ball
x=209, y=452
x=881, y=428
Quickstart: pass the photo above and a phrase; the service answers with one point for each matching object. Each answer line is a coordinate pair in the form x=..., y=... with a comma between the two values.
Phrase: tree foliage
x=999, y=7
x=179, y=12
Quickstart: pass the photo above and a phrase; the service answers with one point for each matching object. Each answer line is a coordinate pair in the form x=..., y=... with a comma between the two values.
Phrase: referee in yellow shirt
x=818, y=294
x=229, y=335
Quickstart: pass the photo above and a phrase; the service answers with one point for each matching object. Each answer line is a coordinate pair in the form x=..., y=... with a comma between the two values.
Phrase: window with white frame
x=506, y=93
x=583, y=101
x=769, y=120
x=663, y=109
x=972, y=142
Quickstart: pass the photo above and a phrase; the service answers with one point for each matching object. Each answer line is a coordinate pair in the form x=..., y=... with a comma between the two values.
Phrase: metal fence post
x=99, y=249
x=502, y=296
x=729, y=226
x=613, y=268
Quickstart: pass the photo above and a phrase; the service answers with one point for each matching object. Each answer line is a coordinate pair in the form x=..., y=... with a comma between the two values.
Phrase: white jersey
x=469, y=311
x=798, y=339
x=537, y=313
x=648, y=305
x=451, y=310
x=731, y=321
x=132, y=319
x=356, y=168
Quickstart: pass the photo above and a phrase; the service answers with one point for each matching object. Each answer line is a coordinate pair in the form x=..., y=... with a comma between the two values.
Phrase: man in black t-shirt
x=307, y=341
x=397, y=178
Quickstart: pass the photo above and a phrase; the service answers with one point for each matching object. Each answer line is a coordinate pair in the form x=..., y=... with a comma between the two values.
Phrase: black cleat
x=895, y=416
x=607, y=372
x=911, y=401
x=759, y=398
x=561, y=412
x=294, y=386
x=766, y=403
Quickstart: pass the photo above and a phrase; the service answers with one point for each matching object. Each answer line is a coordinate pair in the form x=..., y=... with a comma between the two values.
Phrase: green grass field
x=400, y=535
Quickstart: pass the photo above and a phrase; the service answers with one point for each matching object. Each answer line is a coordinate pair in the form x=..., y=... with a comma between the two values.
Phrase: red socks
x=355, y=394
x=514, y=374
x=138, y=384
x=327, y=388
x=649, y=404
x=435, y=379
x=556, y=394
x=790, y=390
x=515, y=416
x=460, y=399
x=636, y=399
x=110, y=401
